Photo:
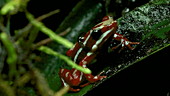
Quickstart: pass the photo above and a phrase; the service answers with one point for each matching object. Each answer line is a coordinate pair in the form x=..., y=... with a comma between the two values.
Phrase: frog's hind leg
x=71, y=77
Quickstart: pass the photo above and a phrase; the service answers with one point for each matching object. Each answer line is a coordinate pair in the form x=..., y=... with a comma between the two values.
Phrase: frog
x=87, y=48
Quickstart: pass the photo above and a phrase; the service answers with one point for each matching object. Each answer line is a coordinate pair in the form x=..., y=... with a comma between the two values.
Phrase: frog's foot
x=125, y=43
x=93, y=79
x=83, y=85
x=74, y=90
x=130, y=43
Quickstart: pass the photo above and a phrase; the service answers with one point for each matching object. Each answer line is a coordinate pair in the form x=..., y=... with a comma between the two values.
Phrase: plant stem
x=65, y=58
x=12, y=56
x=48, y=31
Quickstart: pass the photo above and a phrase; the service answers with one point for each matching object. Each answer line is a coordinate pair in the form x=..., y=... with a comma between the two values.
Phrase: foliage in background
x=18, y=56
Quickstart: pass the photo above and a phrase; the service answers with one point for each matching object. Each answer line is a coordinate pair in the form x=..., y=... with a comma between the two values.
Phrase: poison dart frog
x=87, y=48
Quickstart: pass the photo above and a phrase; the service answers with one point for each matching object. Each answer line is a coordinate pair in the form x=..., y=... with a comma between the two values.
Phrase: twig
x=26, y=29
x=12, y=56
x=48, y=40
x=48, y=31
x=65, y=58
x=6, y=90
x=62, y=91
x=41, y=83
x=64, y=32
x=47, y=15
x=13, y=6
x=10, y=6
x=23, y=79
x=42, y=42
x=2, y=28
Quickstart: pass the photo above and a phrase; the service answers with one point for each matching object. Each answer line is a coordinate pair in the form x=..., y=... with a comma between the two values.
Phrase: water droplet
x=133, y=0
x=165, y=41
x=119, y=66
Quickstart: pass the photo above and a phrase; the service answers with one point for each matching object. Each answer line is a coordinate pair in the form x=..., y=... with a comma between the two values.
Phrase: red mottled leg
x=71, y=52
x=71, y=77
x=87, y=59
x=90, y=77
x=93, y=79
x=124, y=42
x=74, y=90
x=83, y=85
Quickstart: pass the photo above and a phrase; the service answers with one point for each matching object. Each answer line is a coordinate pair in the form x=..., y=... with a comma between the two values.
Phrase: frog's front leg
x=90, y=77
x=124, y=42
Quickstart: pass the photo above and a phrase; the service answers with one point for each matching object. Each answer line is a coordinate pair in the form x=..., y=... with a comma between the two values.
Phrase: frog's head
x=93, y=40
x=98, y=35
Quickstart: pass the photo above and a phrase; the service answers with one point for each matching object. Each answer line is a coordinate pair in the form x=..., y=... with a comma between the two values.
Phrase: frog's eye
x=105, y=18
x=81, y=36
x=81, y=40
